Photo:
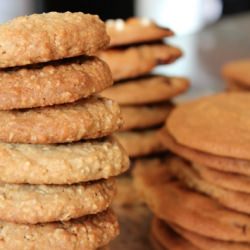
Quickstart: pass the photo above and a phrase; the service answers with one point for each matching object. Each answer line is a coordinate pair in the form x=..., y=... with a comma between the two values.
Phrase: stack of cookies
x=56, y=161
x=201, y=197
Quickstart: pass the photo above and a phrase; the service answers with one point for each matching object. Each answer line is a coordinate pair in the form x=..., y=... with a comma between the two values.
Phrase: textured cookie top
x=58, y=82
x=135, y=30
x=50, y=36
x=216, y=124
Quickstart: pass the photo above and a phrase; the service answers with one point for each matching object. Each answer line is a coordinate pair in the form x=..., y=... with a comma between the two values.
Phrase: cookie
x=236, y=86
x=171, y=201
x=140, y=143
x=62, y=163
x=32, y=204
x=85, y=119
x=146, y=90
x=55, y=83
x=139, y=117
x=225, y=164
x=50, y=36
x=139, y=60
x=88, y=233
x=215, y=124
x=135, y=30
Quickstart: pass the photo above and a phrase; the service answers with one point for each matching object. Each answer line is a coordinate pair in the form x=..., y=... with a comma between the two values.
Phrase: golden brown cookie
x=58, y=82
x=50, y=36
x=216, y=124
x=171, y=201
x=62, y=163
x=140, y=143
x=147, y=89
x=139, y=60
x=135, y=30
x=85, y=119
x=88, y=233
x=32, y=204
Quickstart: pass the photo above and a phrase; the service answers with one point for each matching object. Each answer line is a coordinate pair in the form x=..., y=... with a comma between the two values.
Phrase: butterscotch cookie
x=138, y=60
x=138, y=117
x=32, y=204
x=135, y=30
x=172, y=202
x=140, y=143
x=147, y=89
x=88, y=233
x=85, y=119
x=62, y=163
x=50, y=36
x=215, y=124
x=59, y=82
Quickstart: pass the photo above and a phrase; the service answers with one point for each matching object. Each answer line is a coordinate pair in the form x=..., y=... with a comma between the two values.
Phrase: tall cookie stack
x=201, y=197
x=55, y=173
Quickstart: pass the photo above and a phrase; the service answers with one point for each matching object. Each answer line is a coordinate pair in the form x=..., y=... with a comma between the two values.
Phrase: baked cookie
x=138, y=117
x=216, y=124
x=59, y=82
x=186, y=208
x=147, y=89
x=88, y=233
x=138, y=60
x=140, y=143
x=62, y=163
x=135, y=30
x=50, y=36
x=85, y=119
x=32, y=204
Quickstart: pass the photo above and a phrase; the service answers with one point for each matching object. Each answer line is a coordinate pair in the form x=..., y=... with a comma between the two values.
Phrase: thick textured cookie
x=139, y=117
x=59, y=82
x=88, y=233
x=216, y=124
x=135, y=30
x=225, y=164
x=85, y=119
x=139, y=60
x=50, y=36
x=62, y=163
x=140, y=143
x=147, y=89
x=172, y=202
x=32, y=204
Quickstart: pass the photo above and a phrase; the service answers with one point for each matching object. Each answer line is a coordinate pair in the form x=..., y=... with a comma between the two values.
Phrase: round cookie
x=62, y=163
x=147, y=89
x=59, y=82
x=138, y=60
x=134, y=30
x=172, y=202
x=50, y=36
x=140, y=143
x=85, y=119
x=139, y=117
x=32, y=204
x=88, y=233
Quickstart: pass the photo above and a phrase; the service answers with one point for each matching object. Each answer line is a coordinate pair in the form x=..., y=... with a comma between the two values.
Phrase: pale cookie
x=171, y=201
x=62, y=163
x=32, y=204
x=139, y=117
x=85, y=119
x=135, y=30
x=139, y=60
x=88, y=233
x=50, y=36
x=147, y=89
x=55, y=83
x=217, y=124
x=140, y=143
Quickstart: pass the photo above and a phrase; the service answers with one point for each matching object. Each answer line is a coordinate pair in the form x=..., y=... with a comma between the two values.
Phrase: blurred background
x=210, y=32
